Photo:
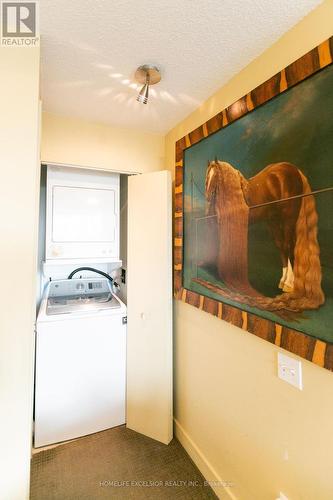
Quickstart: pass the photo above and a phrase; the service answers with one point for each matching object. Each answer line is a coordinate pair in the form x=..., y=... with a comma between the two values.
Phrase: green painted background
x=297, y=127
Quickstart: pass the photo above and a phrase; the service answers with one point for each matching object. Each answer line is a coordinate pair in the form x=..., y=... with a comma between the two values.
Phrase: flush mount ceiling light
x=148, y=75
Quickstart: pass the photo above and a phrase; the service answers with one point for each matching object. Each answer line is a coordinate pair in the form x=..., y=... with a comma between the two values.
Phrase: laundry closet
x=103, y=334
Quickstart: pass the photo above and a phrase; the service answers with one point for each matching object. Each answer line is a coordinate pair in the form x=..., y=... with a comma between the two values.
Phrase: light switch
x=290, y=370
x=282, y=496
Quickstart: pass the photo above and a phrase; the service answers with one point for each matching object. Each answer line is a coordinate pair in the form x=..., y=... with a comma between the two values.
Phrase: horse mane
x=232, y=218
x=228, y=191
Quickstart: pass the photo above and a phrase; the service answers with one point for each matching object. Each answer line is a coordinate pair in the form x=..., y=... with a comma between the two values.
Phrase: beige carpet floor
x=116, y=464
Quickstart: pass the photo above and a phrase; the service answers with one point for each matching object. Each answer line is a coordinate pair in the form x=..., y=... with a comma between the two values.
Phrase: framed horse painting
x=254, y=210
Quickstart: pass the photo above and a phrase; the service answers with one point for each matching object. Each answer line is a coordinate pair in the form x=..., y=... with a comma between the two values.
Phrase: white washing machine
x=80, y=382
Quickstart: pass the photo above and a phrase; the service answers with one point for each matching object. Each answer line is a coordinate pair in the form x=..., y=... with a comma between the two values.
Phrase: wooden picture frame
x=310, y=348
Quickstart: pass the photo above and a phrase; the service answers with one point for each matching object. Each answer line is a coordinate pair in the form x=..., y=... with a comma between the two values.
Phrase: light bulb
x=143, y=94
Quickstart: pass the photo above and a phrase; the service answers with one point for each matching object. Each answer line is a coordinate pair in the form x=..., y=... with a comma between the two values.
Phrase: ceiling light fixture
x=148, y=75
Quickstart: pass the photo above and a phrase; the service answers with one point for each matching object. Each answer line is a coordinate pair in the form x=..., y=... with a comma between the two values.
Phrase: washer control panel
x=86, y=286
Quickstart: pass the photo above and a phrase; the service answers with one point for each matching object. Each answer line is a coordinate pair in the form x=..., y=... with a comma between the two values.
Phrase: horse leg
x=288, y=285
x=289, y=239
x=283, y=277
x=278, y=236
x=283, y=225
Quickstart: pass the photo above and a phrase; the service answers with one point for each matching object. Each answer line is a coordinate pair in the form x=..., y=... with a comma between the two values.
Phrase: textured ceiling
x=91, y=48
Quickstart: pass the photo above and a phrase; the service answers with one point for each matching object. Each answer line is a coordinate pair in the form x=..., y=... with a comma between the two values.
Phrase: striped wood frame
x=303, y=345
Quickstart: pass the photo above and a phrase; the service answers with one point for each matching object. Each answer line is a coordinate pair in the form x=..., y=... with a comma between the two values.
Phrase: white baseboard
x=205, y=467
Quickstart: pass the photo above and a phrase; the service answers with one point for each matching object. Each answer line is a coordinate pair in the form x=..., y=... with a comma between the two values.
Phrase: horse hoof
x=288, y=288
x=281, y=285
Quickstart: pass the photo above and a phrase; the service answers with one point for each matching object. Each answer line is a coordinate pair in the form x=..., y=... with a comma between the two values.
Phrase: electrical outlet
x=290, y=370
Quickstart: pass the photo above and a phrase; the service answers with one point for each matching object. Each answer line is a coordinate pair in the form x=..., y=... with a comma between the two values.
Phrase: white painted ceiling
x=91, y=48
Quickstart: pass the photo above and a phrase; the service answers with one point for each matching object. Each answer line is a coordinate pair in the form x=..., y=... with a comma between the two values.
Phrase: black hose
x=102, y=273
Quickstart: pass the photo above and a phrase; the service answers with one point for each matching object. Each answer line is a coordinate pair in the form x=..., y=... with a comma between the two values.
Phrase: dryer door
x=82, y=214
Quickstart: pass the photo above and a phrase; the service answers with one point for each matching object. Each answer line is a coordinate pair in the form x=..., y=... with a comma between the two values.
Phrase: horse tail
x=307, y=293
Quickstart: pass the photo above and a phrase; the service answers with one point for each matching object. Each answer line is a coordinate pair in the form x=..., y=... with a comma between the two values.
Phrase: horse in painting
x=280, y=195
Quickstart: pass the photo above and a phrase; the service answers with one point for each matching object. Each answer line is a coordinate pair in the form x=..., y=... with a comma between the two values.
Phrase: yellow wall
x=240, y=422
x=19, y=163
x=73, y=141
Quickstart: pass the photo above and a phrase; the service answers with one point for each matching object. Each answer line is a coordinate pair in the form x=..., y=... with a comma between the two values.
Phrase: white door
x=149, y=295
